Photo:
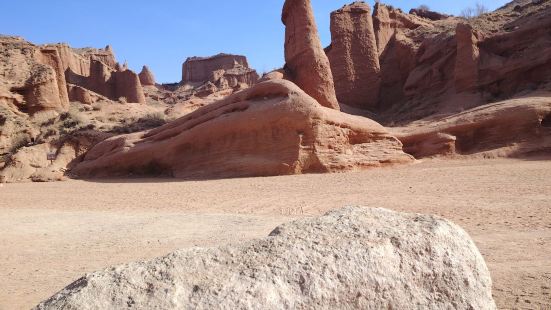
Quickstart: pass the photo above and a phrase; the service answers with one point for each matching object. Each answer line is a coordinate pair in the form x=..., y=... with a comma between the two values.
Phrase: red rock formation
x=510, y=128
x=83, y=95
x=387, y=20
x=112, y=84
x=52, y=58
x=146, y=77
x=31, y=76
x=354, y=56
x=204, y=69
x=467, y=59
x=127, y=85
x=273, y=128
x=306, y=62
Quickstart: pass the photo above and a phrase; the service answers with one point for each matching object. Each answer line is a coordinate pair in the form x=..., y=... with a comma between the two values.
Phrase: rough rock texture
x=146, y=77
x=387, y=21
x=443, y=66
x=467, y=58
x=353, y=56
x=225, y=71
x=428, y=14
x=109, y=82
x=83, y=95
x=306, y=62
x=28, y=77
x=510, y=128
x=31, y=163
x=353, y=258
x=273, y=128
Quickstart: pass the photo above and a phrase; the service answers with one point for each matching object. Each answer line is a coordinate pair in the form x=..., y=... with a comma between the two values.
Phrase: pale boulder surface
x=273, y=128
x=350, y=258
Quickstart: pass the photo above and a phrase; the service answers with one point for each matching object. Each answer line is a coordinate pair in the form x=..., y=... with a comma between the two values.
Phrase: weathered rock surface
x=146, y=77
x=431, y=65
x=273, y=128
x=387, y=21
x=225, y=71
x=31, y=163
x=28, y=76
x=353, y=56
x=510, y=128
x=306, y=62
x=467, y=58
x=353, y=258
x=109, y=82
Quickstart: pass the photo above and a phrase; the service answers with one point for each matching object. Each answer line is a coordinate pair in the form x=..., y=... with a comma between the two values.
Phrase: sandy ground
x=52, y=233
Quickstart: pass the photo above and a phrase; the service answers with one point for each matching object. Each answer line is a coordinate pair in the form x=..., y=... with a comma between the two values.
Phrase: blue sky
x=163, y=33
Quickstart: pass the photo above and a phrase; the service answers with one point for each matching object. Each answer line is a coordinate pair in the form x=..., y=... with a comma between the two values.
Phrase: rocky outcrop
x=354, y=56
x=306, y=62
x=353, y=258
x=146, y=77
x=32, y=75
x=83, y=95
x=387, y=21
x=467, y=58
x=428, y=14
x=273, y=128
x=110, y=83
x=223, y=70
x=32, y=164
x=127, y=85
x=510, y=128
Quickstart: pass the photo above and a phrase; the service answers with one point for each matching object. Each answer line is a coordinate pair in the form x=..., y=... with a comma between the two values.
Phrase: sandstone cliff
x=353, y=56
x=225, y=71
x=431, y=64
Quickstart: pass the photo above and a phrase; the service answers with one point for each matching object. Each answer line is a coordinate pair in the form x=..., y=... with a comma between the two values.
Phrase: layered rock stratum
x=347, y=259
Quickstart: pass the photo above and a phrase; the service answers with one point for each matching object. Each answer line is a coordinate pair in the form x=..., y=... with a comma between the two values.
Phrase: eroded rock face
x=353, y=258
x=226, y=71
x=307, y=64
x=467, y=59
x=354, y=56
x=32, y=76
x=512, y=128
x=273, y=128
x=146, y=77
x=387, y=20
x=109, y=82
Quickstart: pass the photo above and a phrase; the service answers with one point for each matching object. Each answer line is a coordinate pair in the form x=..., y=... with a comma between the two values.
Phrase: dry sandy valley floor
x=52, y=233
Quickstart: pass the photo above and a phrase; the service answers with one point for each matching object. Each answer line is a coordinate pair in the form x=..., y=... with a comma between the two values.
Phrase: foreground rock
x=351, y=258
x=306, y=62
x=273, y=128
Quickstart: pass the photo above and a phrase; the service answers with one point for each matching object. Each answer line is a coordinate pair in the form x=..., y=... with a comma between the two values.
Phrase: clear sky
x=163, y=33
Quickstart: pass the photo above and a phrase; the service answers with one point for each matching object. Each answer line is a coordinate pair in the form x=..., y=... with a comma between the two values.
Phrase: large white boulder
x=351, y=258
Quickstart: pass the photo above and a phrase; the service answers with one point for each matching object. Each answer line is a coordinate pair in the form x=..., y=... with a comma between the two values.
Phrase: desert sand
x=53, y=233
